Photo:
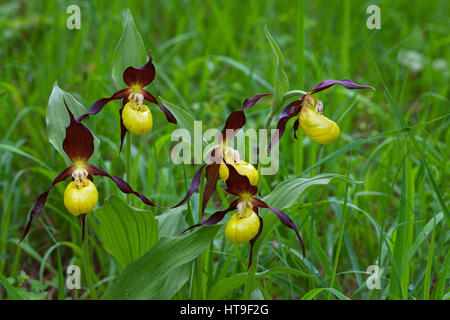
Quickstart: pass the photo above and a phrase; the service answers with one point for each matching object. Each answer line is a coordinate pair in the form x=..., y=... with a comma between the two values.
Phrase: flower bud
x=242, y=229
x=243, y=168
x=80, y=197
x=137, y=118
x=316, y=126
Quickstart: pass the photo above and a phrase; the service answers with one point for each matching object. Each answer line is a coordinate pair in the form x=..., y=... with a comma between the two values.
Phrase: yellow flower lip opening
x=80, y=197
x=242, y=229
x=316, y=126
x=137, y=118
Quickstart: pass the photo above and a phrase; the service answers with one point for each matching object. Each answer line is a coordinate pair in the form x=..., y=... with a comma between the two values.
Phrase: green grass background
x=210, y=56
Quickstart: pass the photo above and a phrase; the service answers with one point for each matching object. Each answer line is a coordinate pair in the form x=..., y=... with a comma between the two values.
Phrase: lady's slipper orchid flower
x=134, y=115
x=245, y=225
x=81, y=195
x=215, y=165
x=316, y=126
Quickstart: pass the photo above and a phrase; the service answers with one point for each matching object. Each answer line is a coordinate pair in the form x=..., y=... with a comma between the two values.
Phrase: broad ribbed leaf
x=142, y=278
x=288, y=192
x=130, y=51
x=125, y=232
x=281, y=79
x=57, y=119
x=225, y=286
x=172, y=223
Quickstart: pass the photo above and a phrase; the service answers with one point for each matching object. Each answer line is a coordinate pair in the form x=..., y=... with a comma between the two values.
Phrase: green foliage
x=144, y=278
x=286, y=194
x=211, y=56
x=125, y=232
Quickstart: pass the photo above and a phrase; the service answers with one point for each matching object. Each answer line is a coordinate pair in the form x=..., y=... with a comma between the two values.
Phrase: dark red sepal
x=349, y=84
x=236, y=120
x=237, y=184
x=295, y=127
x=290, y=111
x=141, y=76
x=123, y=185
x=99, y=104
x=216, y=217
x=212, y=175
x=123, y=129
x=284, y=218
x=79, y=141
x=40, y=202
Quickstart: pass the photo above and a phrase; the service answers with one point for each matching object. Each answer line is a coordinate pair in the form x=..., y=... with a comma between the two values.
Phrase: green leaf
x=281, y=79
x=126, y=232
x=173, y=283
x=13, y=293
x=130, y=51
x=184, y=119
x=57, y=119
x=142, y=278
x=311, y=294
x=434, y=221
x=288, y=192
x=225, y=286
x=172, y=222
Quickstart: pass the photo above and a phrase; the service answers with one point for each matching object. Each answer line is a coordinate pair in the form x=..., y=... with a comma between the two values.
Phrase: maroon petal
x=194, y=185
x=250, y=102
x=216, y=217
x=237, y=184
x=212, y=175
x=290, y=111
x=252, y=242
x=349, y=84
x=123, y=129
x=99, y=104
x=40, y=202
x=284, y=218
x=236, y=120
x=123, y=185
x=150, y=98
x=233, y=124
x=295, y=127
x=141, y=76
x=79, y=142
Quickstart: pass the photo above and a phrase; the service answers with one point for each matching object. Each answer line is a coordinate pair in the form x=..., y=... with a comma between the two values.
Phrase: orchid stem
x=87, y=266
x=128, y=165
x=199, y=262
